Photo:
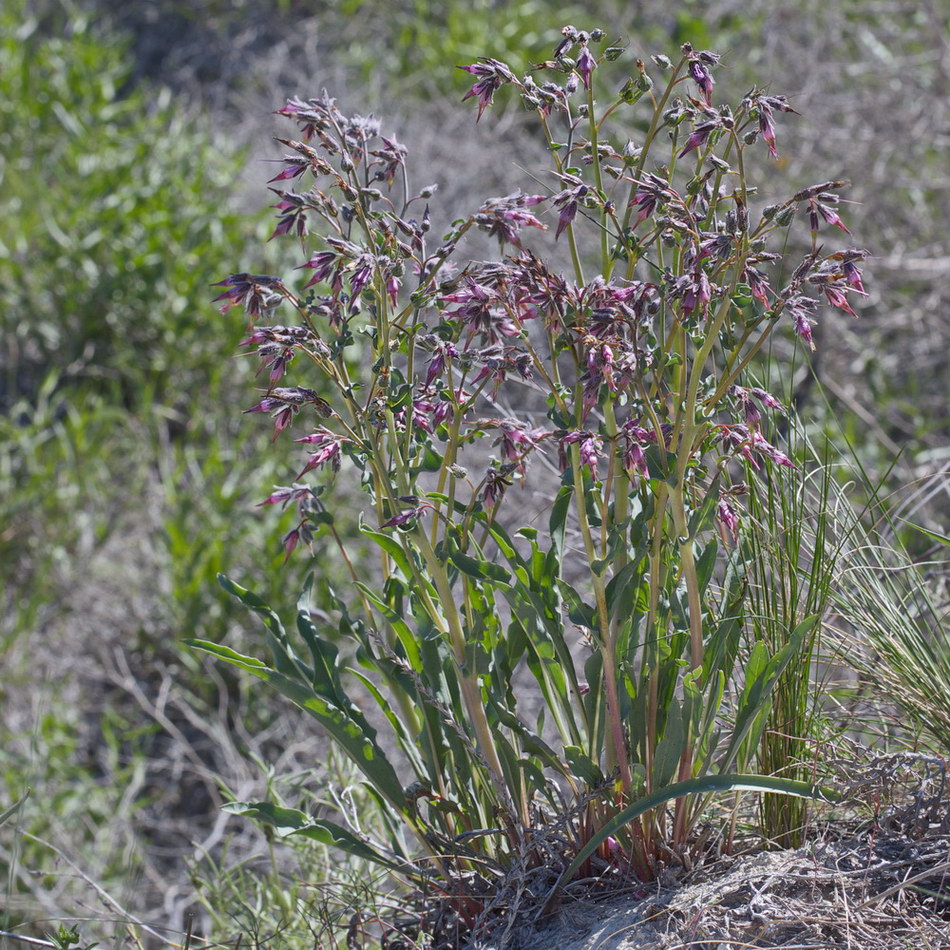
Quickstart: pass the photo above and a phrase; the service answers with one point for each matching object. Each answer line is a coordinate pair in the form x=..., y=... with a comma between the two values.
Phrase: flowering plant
x=619, y=389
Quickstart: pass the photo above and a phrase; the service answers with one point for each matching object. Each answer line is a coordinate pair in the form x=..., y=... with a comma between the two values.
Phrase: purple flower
x=328, y=450
x=585, y=65
x=821, y=209
x=517, y=441
x=391, y=156
x=700, y=74
x=849, y=268
x=296, y=166
x=700, y=133
x=837, y=299
x=762, y=446
x=322, y=265
x=497, y=482
x=765, y=105
x=314, y=116
x=393, y=283
x=738, y=438
x=634, y=458
x=277, y=357
x=498, y=361
x=651, y=189
x=293, y=210
x=801, y=307
x=290, y=542
x=256, y=292
x=767, y=399
x=758, y=284
x=285, y=402
x=590, y=446
x=405, y=517
x=569, y=200
x=751, y=411
x=505, y=217
x=442, y=353
x=728, y=520
x=492, y=75
x=284, y=496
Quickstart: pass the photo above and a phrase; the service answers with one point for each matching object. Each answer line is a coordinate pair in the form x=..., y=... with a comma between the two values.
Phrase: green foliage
x=113, y=213
x=113, y=446
x=425, y=38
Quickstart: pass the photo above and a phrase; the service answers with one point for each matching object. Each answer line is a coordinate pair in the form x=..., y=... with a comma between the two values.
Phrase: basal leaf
x=288, y=821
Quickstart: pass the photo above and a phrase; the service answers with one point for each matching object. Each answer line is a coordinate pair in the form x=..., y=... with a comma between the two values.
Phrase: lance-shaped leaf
x=289, y=821
x=693, y=786
x=355, y=738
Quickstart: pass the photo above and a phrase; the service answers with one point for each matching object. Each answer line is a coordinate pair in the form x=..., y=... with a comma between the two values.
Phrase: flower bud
x=784, y=217
x=664, y=62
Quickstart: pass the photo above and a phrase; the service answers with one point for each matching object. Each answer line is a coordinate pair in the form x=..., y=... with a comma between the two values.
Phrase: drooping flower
x=283, y=495
x=698, y=68
x=505, y=217
x=322, y=264
x=328, y=446
x=492, y=75
x=801, y=307
x=699, y=135
x=497, y=482
x=407, y=516
x=293, y=214
x=586, y=64
x=285, y=402
x=728, y=521
x=590, y=446
x=256, y=292
x=569, y=200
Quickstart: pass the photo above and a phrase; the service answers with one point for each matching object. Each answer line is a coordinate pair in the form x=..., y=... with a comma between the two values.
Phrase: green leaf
x=284, y=657
x=933, y=535
x=693, y=786
x=346, y=726
x=621, y=589
x=288, y=821
x=670, y=747
x=15, y=807
x=558, y=519
x=407, y=637
x=393, y=548
x=584, y=767
x=580, y=613
x=326, y=677
x=480, y=569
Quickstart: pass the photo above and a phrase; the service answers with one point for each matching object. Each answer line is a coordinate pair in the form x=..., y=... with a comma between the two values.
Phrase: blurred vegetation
x=114, y=216
x=127, y=476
